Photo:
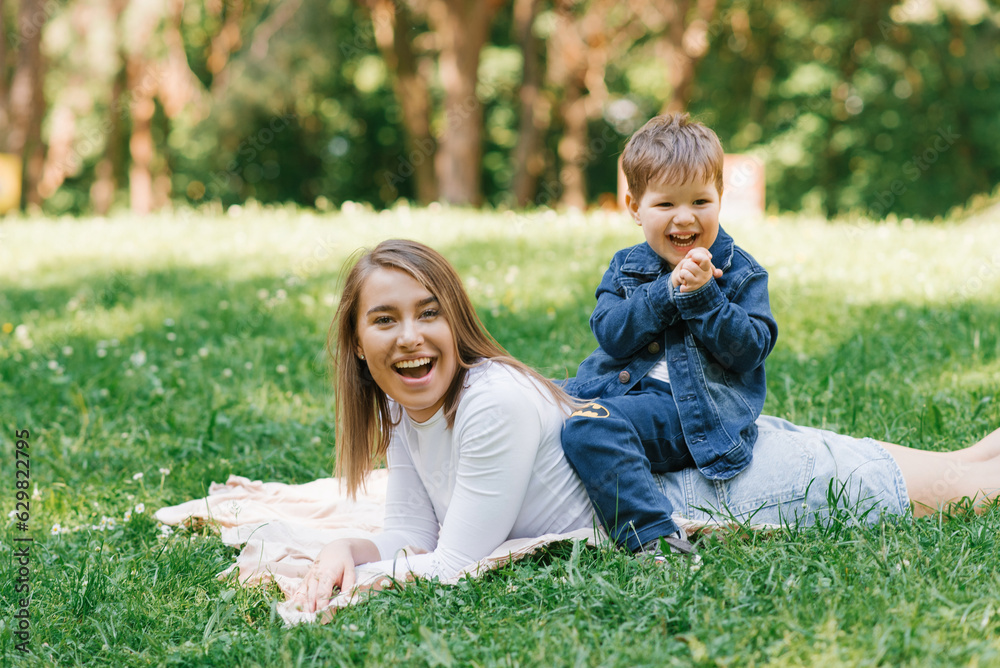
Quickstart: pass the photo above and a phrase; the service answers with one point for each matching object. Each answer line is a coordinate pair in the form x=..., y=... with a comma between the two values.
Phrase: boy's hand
x=694, y=271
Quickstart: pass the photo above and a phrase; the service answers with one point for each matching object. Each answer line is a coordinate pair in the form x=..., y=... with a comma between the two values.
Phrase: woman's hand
x=333, y=568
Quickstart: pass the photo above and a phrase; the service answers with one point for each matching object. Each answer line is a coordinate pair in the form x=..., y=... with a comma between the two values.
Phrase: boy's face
x=677, y=217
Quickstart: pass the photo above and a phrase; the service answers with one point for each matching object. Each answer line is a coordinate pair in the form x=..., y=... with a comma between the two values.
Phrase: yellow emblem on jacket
x=591, y=410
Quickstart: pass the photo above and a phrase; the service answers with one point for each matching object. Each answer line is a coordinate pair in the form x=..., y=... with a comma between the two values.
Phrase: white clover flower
x=138, y=358
x=137, y=476
x=262, y=294
x=169, y=322
x=171, y=336
x=102, y=352
x=281, y=368
x=248, y=366
x=203, y=352
x=53, y=365
x=164, y=471
x=223, y=305
x=67, y=350
x=227, y=373
x=281, y=294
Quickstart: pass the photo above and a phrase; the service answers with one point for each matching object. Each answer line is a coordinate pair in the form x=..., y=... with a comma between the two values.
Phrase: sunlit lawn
x=148, y=358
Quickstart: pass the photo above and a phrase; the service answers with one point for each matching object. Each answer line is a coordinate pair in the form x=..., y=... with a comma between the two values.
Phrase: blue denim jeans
x=797, y=474
x=616, y=444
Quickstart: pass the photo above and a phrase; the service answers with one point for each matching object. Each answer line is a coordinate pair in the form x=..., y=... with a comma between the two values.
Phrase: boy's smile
x=677, y=217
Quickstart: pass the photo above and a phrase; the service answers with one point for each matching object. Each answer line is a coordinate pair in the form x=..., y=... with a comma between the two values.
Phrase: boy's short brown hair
x=669, y=149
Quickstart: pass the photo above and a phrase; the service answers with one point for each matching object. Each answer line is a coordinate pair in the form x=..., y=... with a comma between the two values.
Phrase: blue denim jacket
x=715, y=340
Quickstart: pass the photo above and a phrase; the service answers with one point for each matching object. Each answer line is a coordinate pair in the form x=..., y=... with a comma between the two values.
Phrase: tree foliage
x=878, y=108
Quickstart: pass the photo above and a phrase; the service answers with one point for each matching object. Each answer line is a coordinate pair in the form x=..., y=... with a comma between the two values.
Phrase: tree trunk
x=573, y=148
x=393, y=25
x=462, y=27
x=3, y=69
x=529, y=158
x=26, y=101
x=110, y=170
x=140, y=181
x=683, y=45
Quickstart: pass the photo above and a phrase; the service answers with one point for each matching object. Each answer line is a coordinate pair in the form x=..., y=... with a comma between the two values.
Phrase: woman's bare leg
x=936, y=479
x=986, y=449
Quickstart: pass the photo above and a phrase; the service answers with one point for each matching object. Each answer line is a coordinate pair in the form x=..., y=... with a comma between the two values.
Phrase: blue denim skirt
x=798, y=476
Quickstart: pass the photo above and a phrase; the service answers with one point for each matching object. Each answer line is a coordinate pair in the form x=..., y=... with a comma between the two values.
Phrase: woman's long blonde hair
x=364, y=423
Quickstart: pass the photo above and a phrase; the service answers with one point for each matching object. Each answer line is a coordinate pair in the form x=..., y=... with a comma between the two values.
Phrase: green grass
x=195, y=344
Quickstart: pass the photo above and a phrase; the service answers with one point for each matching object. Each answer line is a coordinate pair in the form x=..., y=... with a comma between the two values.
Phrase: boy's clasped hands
x=694, y=271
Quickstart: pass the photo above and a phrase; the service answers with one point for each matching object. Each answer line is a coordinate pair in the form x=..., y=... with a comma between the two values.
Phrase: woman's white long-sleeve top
x=498, y=474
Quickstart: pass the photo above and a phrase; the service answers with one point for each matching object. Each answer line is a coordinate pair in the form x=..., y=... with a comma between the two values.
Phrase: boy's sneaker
x=660, y=549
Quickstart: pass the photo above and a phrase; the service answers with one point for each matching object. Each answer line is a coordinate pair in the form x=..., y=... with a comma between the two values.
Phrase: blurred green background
x=872, y=109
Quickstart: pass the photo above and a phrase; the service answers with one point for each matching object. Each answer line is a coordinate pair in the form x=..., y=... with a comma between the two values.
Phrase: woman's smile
x=406, y=341
x=416, y=368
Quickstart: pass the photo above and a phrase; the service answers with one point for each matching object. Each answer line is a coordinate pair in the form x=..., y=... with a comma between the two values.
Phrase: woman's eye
x=382, y=320
x=430, y=313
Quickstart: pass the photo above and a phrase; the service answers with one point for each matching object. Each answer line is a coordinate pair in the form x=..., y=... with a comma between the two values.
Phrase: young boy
x=684, y=324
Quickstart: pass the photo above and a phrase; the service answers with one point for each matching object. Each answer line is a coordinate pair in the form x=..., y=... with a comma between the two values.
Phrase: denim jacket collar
x=643, y=260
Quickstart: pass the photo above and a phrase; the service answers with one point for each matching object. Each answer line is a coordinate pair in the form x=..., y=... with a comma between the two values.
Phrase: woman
x=470, y=434
x=472, y=439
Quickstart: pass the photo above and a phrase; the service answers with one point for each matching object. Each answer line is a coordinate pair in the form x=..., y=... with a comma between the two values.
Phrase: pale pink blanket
x=283, y=527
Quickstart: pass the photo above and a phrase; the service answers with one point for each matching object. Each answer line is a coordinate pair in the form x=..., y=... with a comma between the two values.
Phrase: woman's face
x=407, y=342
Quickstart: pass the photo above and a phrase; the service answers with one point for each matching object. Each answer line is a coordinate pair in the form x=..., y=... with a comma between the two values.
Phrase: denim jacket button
x=624, y=377
x=654, y=347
